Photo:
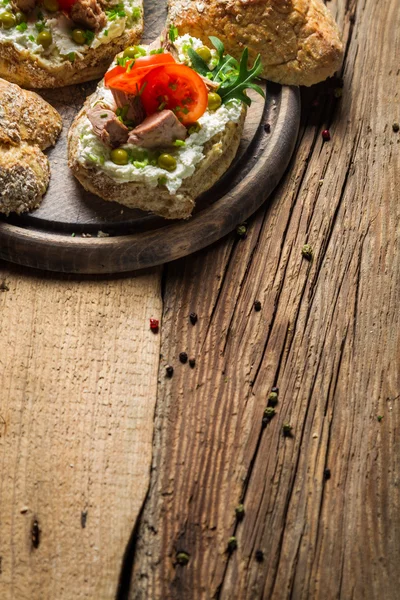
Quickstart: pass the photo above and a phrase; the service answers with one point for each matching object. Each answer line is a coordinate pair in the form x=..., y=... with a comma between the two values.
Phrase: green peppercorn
x=214, y=101
x=182, y=558
x=51, y=5
x=307, y=252
x=204, y=53
x=194, y=128
x=20, y=17
x=130, y=52
x=269, y=412
x=167, y=162
x=79, y=37
x=287, y=430
x=44, y=39
x=7, y=20
x=239, y=510
x=119, y=156
x=232, y=544
x=273, y=399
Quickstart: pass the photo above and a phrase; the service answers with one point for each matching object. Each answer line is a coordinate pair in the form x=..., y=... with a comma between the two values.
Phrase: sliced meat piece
x=89, y=14
x=107, y=126
x=25, y=6
x=212, y=86
x=158, y=130
x=135, y=112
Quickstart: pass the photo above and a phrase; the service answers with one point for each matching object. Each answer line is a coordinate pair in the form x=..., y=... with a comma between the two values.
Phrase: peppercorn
x=327, y=474
x=241, y=231
x=239, y=510
x=193, y=318
x=379, y=417
x=182, y=558
x=287, y=430
x=169, y=371
x=257, y=306
x=264, y=421
x=326, y=136
x=273, y=399
x=232, y=544
x=154, y=323
x=192, y=363
x=267, y=128
x=307, y=252
x=396, y=127
x=269, y=412
x=183, y=357
x=259, y=555
x=275, y=390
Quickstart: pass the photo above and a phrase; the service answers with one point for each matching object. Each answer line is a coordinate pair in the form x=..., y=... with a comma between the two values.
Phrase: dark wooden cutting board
x=67, y=232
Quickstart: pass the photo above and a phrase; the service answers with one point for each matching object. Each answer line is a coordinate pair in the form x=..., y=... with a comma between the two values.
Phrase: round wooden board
x=55, y=237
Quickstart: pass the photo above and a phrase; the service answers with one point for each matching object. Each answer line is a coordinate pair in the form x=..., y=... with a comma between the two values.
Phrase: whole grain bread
x=32, y=71
x=28, y=125
x=298, y=40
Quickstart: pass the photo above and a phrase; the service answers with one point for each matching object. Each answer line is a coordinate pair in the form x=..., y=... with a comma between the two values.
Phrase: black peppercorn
x=183, y=357
x=275, y=390
x=259, y=555
x=267, y=128
x=327, y=474
x=257, y=306
x=192, y=362
x=169, y=371
x=396, y=127
x=193, y=318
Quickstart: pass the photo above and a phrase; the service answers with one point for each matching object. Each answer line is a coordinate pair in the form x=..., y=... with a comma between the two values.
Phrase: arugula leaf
x=198, y=63
x=234, y=87
x=218, y=45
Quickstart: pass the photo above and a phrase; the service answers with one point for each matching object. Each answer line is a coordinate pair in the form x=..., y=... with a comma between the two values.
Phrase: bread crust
x=28, y=125
x=31, y=71
x=219, y=153
x=298, y=40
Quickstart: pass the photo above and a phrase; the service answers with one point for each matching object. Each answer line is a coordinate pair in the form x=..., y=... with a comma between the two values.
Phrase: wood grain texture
x=78, y=377
x=322, y=505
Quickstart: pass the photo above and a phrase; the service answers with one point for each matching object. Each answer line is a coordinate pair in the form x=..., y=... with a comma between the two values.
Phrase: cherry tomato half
x=123, y=78
x=178, y=88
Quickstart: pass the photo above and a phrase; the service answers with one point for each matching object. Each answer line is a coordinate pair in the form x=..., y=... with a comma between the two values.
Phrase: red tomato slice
x=121, y=78
x=177, y=88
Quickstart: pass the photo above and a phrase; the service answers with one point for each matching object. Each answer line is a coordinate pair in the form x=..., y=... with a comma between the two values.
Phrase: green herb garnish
x=71, y=57
x=31, y=38
x=106, y=32
x=173, y=33
x=116, y=13
x=179, y=143
x=40, y=26
x=136, y=13
x=157, y=51
x=22, y=26
x=89, y=37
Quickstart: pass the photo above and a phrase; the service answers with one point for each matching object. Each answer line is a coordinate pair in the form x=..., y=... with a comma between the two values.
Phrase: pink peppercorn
x=326, y=136
x=154, y=324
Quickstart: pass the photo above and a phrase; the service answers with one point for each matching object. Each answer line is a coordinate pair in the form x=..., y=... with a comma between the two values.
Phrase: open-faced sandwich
x=164, y=125
x=28, y=125
x=298, y=40
x=52, y=43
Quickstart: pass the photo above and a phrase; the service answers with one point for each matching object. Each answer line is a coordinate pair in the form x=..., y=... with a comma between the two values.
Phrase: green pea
x=119, y=156
x=51, y=5
x=204, y=53
x=214, y=101
x=44, y=39
x=79, y=37
x=167, y=162
x=20, y=17
x=130, y=52
x=194, y=128
x=7, y=20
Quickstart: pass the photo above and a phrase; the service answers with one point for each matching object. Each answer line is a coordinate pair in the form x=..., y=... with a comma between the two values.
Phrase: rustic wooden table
x=104, y=459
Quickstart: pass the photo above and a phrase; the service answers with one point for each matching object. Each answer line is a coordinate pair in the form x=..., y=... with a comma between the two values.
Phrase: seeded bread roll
x=28, y=125
x=298, y=40
x=30, y=70
x=219, y=153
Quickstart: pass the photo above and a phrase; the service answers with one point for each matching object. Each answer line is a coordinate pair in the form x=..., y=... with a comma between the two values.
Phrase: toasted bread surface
x=298, y=40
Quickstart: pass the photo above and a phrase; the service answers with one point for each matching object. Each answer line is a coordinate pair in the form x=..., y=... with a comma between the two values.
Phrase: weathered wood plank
x=78, y=377
x=327, y=334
